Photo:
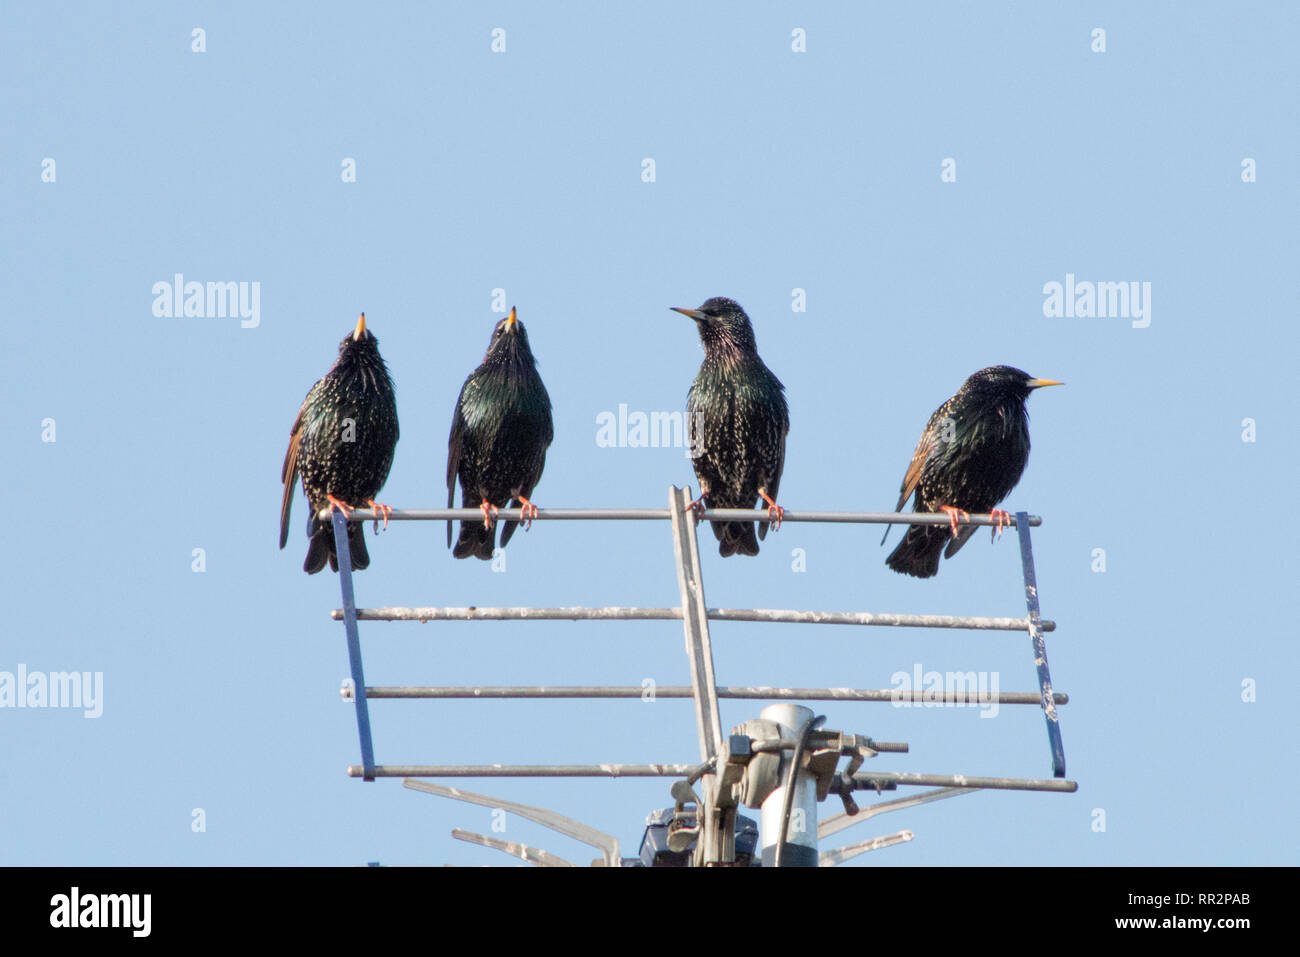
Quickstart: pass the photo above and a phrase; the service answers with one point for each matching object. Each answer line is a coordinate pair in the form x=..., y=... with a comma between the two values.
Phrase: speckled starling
x=970, y=457
x=737, y=423
x=499, y=436
x=342, y=444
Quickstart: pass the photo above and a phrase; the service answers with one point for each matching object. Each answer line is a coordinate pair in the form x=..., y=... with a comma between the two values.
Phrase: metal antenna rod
x=533, y=855
x=344, y=554
x=838, y=822
x=616, y=613
x=849, y=851
x=661, y=514
x=717, y=843
x=717, y=810
x=607, y=844
x=958, y=699
x=1040, y=647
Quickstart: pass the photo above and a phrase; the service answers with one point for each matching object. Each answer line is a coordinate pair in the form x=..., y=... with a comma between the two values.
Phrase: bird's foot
x=953, y=513
x=528, y=511
x=342, y=506
x=774, y=512
x=489, y=510
x=1002, y=520
x=384, y=510
x=696, y=508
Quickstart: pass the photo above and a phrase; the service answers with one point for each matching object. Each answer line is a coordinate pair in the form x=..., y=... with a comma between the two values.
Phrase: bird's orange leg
x=952, y=515
x=697, y=507
x=774, y=512
x=384, y=510
x=342, y=506
x=528, y=511
x=1003, y=520
x=488, y=507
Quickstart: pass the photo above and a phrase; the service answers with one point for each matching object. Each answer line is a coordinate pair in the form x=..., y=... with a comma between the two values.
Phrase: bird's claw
x=953, y=513
x=696, y=508
x=342, y=506
x=489, y=510
x=527, y=512
x=384, y=510
x=1001, y=519
x=774, y=512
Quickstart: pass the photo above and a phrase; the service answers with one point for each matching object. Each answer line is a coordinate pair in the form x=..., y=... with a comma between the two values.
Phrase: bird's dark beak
x=690, y=313
x=1039, y=383
x=361, y=329
x=510, y=322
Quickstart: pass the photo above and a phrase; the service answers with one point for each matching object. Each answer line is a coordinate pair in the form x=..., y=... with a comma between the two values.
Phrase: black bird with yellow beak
x=499, y=435
x=342, y=444
x=971, y=455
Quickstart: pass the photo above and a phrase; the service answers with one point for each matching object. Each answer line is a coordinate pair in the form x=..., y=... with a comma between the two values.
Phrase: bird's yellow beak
x=512, y=320
x=361, y=329
x=689, y=313
x=1039, y=383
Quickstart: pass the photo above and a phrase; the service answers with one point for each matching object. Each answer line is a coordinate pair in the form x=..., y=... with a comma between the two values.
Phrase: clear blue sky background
x=521, y=170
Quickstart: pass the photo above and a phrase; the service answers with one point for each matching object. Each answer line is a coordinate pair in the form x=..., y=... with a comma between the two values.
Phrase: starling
x=499, y=436
x=970, y=457
x=342, y=444
x=738, y=420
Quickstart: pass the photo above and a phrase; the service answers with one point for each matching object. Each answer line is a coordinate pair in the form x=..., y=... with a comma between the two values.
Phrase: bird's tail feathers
x=320, y=548
x=918, y=553
x=735, y=538
x=475, y=540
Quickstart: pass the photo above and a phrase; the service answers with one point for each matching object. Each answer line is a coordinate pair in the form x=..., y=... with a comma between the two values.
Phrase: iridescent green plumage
x=971, y=455
x=342, y=444
x=737, y=421
x=500, y=431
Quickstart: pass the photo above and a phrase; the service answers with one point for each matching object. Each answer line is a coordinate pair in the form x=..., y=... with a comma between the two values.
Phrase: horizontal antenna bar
x=533, y=855
x=868, y=780
x=661, y=514
x=761, y=693
x=526, y=770
x=841, y=854
x=789, y=744
x=861, y=780
x=619, y=613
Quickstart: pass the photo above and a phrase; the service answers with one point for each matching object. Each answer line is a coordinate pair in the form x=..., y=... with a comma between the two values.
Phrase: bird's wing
x=779, y=423
x=914, y=469
x=289, y=475
x=531, y=473
x=777, y=463
x=546, y=436
x=774, y=486
x=548, y=433
x=454, y=442
x=912, y=478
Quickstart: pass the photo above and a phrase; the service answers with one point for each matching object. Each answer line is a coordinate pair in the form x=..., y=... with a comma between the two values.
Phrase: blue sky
x=522, y=170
